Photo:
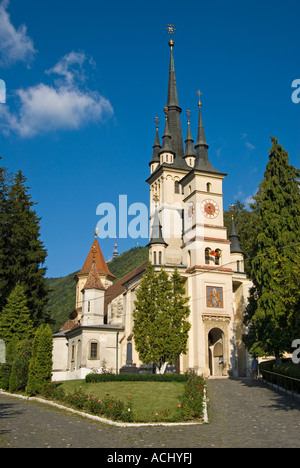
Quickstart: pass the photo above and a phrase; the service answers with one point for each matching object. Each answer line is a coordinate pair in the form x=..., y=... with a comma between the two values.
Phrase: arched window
x=189, y=258
x=94, y=350
x=207, y=258
x=154, y=258
x=208, y=187
x=176, y=186
x=159, y=258
x=217, y=257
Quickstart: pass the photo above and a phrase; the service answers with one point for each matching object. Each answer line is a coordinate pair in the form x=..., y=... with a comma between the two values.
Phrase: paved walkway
x=241, y=414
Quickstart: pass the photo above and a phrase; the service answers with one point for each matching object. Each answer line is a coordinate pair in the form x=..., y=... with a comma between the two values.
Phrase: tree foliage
x=40, y=365
x=22, y=253
x=161, y=318
x=15, y=320
x=272, y=314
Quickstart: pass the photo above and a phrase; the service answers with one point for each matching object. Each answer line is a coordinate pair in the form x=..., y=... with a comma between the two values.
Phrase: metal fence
x=290, y=384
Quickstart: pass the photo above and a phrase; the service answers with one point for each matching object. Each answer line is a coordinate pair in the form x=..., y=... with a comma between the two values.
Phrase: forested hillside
x=63, y=290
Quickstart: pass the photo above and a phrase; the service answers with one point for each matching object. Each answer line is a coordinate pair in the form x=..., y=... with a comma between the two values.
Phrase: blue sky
x=85, y=80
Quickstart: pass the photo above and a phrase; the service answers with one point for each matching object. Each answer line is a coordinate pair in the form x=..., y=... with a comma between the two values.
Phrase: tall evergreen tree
x=40, y=365
x=160, y=318
x=273, y=309
x=23, y=251
x=15, y=321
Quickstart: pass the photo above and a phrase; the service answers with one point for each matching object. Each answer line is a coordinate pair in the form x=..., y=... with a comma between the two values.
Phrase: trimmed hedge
x=286, y=368
x=135, y=377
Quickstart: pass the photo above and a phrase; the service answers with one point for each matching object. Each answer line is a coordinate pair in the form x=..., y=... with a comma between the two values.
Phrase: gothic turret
x=202, y=160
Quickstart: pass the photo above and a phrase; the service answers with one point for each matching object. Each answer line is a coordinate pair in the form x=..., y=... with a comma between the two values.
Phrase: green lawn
x=151, y=401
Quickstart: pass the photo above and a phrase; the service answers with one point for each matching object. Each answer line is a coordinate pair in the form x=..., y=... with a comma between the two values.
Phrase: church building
x=187, y=232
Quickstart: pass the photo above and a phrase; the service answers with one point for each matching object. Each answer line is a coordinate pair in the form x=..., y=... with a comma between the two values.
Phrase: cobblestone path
x=241, y=414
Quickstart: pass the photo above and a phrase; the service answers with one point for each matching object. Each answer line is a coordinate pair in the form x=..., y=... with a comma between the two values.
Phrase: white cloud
x=70, y=67
x=15, y=44
x=249, y=145
x=63, y=106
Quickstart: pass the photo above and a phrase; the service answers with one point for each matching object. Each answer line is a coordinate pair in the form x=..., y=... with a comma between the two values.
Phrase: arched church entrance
x=216, y=351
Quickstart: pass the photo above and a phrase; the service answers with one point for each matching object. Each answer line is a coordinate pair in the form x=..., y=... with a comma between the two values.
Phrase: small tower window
x=177, y=186
x=166, y=158
x=89, y=306
x=159, y=258
x=238, y=265
x=208, y=187
x=154, y=258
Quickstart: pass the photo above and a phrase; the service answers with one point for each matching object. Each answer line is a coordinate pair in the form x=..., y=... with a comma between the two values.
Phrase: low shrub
x=5, y=371
x=109, y=406
x=192, y=399
x=135, y=377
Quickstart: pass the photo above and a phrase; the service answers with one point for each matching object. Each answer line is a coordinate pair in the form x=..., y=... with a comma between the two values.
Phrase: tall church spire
x=174, y=112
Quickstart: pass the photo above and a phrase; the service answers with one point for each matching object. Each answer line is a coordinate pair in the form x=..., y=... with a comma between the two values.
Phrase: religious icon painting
x=214, y=297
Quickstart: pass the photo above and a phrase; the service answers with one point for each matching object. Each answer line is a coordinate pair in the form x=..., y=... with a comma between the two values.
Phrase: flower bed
x=173, y=402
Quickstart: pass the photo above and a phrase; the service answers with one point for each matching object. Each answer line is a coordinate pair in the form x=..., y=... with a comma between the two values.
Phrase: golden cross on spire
x=188, y=114
x=199, y=94
x=171, y=30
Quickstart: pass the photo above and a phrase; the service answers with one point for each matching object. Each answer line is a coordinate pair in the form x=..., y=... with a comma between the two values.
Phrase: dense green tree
x=161, y=318
x=15, y=320
x=23, y=252
x=40, y=365
x=247, y=226
x=20, y=365
x=273, y=310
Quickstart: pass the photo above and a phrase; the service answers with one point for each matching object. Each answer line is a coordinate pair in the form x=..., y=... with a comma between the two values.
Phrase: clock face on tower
x=210, y=209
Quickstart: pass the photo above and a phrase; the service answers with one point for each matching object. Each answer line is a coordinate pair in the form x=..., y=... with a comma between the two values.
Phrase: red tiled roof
x=117, y=288
x=93, y=281
x=95, y=254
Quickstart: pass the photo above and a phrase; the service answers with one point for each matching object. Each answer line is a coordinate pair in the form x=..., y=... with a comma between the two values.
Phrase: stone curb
x=108, y=421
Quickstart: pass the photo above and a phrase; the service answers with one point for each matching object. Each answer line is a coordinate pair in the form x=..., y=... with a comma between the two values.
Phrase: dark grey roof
x=189, y=143
x=174, y=121
x=234, y=239
x=156, y=233
x=156, y=148
x=166, y=145
x=202, y=162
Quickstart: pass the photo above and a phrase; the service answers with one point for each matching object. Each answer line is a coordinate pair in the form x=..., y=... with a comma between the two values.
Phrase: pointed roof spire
x=156, y=146
x=189, y=142
x=174, y=110
x=95, y=255
x=202, y=160
x=201, y=141
x=156, y=233
x=93, y=281
x=166, y=146
x=234, y=238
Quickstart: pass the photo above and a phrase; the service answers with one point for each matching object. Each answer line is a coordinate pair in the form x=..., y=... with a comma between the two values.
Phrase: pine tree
x=15, y=321
x=23, y=251
x=160, y=318
x=40, y=365
x=273, y=308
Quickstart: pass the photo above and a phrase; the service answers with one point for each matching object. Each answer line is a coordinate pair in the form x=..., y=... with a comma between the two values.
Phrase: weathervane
x=170, y=28
x=231, y=208
x=199, y=94
x=188, y=114
x=156, y=120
